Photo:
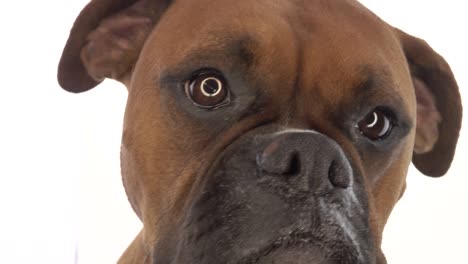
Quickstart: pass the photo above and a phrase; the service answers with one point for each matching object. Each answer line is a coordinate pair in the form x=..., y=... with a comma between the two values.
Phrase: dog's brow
x=241, y=48
x=372, y=82
x=230, y=52
x=376, y=83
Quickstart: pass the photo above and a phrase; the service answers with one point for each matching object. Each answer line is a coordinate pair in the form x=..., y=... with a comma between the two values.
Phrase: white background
x=61, y=196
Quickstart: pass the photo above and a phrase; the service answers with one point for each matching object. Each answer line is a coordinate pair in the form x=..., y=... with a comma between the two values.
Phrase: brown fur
x=311, y=58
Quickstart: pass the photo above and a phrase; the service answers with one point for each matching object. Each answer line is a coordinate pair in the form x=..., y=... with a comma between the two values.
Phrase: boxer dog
x=265, y=131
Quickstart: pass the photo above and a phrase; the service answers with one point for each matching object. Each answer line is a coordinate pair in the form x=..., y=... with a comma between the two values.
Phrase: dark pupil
x=370, y=119
x=210, y=86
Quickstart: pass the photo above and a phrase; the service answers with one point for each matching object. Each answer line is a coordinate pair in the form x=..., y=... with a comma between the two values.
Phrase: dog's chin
x=303, y=249
x=295, y=255
x=238, y=236
x=293, y=249
x=323, y=244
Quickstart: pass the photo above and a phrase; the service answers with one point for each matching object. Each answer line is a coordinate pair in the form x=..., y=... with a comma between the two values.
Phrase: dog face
x=260, y=131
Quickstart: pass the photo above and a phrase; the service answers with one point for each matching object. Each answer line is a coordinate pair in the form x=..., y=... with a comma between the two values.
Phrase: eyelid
x=178, y=77
x=202, y=71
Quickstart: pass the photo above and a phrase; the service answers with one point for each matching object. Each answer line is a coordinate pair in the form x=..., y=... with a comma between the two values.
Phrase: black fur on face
x=243, y=213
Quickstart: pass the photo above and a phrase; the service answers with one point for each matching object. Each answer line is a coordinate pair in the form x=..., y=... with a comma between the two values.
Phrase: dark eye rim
x=213, y=73
x=390, y=114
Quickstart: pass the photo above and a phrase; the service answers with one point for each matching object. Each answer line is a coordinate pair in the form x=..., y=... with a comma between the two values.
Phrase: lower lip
x=301, y=254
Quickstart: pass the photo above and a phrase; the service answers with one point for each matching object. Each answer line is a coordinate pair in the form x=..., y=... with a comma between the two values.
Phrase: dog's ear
x=439, y=108
x=106, y=40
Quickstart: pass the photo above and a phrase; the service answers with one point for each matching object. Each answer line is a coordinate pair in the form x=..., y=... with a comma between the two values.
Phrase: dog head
x=265, y=131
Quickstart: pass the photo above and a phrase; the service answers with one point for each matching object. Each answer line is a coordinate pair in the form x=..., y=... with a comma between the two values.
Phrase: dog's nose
x=307, y=160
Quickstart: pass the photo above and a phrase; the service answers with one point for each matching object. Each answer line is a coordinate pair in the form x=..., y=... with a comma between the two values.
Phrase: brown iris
x=376, y=125
x=207, y=90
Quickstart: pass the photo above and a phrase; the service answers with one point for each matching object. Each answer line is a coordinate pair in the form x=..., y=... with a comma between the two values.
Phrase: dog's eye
x=207, y=90
x=376, y=125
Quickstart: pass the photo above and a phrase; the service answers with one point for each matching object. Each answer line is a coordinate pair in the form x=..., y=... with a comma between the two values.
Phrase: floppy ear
x=439, y=108
x=106, y=40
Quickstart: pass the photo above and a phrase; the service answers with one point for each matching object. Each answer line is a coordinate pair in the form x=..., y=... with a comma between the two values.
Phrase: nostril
x=294, y=164
x=338, y=176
